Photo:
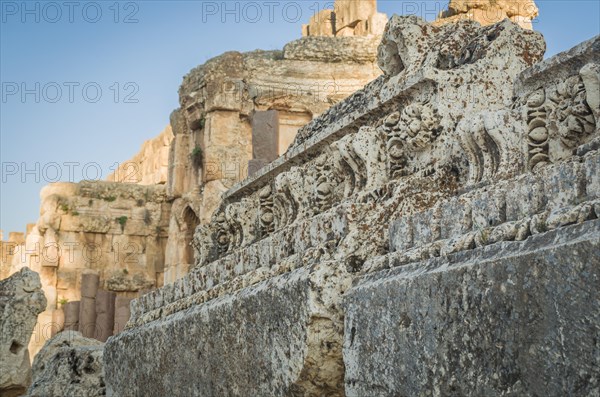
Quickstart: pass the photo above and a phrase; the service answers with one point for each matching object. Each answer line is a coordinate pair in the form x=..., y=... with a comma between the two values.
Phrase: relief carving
x=410, y=131
x=424, y=69
x=285, y=208
x=574, y=117
x=267, y=218
x=365, y=155
x=537, y=131
x=487, y=142
x=324, y=182
x=222, y=234
x=202, y=244
x=561, y=117
x=240, y=217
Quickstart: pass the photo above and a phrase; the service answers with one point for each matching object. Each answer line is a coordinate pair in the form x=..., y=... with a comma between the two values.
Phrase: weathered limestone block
x=590, y=76
x=450, y=165
x=389, y=144
x=320, y=24
x=120, y=281
x=281, y=337
x=514, y=318
x=68, y=365
x=117, y=230
x=348, y=12
x=336, y=50
x=446, y=90
x=212, y=145
x=227, y=141
x=179, y=164
x=21, y=300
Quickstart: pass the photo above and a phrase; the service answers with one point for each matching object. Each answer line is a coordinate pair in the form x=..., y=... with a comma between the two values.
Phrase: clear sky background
x=151, y=45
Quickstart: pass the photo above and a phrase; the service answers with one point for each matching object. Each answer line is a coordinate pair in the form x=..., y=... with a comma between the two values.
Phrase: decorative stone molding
x=416, y=134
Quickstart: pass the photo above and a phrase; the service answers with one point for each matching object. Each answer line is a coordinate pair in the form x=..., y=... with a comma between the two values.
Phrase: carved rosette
x=574, y=117
x=363, y=161
x=411, y=130
x=397, y=159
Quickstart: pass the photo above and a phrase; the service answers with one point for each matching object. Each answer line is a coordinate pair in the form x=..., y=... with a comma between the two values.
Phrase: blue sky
x=108, y=74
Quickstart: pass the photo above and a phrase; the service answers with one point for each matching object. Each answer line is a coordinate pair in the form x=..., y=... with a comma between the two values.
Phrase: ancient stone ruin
x=239, y=111
x=93, y=239
x=435, y=233
x=488, y=12
x=428, y=225
x=347, y=18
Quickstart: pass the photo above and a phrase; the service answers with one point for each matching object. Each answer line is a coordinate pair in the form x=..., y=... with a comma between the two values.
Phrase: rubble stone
x=21, y=301
x=69, y=365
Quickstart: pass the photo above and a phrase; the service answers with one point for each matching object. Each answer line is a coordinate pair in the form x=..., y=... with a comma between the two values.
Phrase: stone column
x=58, y=321
x=87, y=307
x=122, y=313
x=105, y=314
x=71, y=310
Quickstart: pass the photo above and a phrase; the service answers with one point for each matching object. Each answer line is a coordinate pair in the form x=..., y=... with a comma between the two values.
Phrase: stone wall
x=459, y=184
x=115, y=231
x=513, y=318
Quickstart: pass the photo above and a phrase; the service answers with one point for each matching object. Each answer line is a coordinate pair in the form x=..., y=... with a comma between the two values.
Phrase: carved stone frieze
x=443, y=110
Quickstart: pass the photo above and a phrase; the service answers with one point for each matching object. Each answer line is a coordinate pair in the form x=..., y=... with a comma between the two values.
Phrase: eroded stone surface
x=69, y=365
x=513, y=319
x=213, y=146
x=21, y=301
x=404, y=132
x=281, y=337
